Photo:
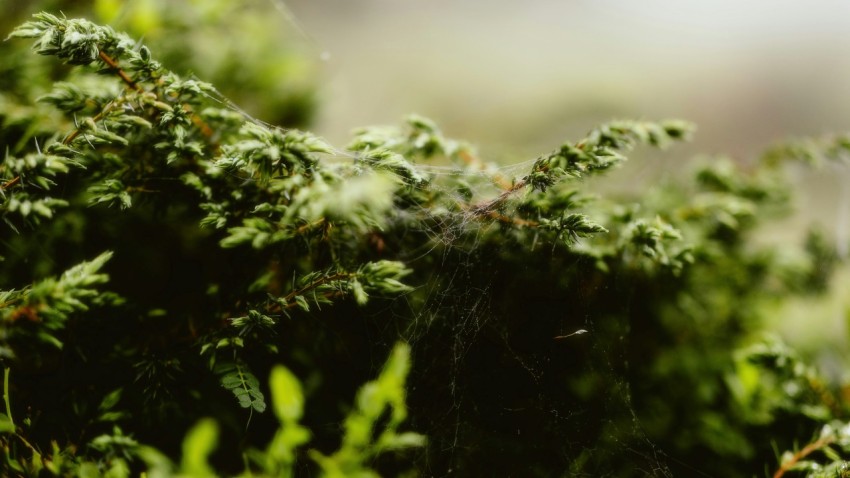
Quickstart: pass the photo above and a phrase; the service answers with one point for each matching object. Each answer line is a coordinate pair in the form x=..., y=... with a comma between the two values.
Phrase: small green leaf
x=111, y=399
x=302, y=303
x=360, y=295
x=6, y=425
x=242, y=383
x=88, y=470
x=403, y=440
x=287, y=396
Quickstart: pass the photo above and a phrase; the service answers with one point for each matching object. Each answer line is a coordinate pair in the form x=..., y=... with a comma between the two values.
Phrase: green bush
x=164, y=252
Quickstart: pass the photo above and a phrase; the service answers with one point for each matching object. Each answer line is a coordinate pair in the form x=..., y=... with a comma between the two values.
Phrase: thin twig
x=488, y=206
x=121, y=73
x=289, y=299
x=308, y=226
x=6, y=373
x=317, y=283
x=10, y=183
x=6, y=399
x=806, y=451
x=517, y=221
x=106, y=109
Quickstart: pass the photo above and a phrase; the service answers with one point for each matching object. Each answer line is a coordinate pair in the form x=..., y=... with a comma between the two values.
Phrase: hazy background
x=525, y=75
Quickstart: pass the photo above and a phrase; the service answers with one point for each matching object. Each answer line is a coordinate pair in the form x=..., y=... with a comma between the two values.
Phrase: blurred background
x=525, y=75
x=519, y=78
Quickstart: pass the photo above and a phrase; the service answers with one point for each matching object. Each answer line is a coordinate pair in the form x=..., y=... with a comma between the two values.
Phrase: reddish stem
x=806, y=451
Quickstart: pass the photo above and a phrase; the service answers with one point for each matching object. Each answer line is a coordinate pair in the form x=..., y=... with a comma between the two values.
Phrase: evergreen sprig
x=812, y=151
x=27, y=182
x=601, y=149
x=382, y=277
x=39, y=312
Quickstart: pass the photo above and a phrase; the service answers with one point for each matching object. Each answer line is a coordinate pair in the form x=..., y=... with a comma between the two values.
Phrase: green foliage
x=244, y=385
x=39, y=312
x=362, y=442
x=554, y=331
x=288, y=404
x=197, y=446
x=119, y=452
x=600, y=150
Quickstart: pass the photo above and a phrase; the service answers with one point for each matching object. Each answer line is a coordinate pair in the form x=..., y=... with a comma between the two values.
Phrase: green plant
x=553, y=332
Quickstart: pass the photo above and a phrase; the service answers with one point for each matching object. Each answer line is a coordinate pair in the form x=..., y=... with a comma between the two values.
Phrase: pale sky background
x=530, y=74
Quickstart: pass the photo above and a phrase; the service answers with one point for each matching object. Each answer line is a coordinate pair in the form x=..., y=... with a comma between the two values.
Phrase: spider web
x=456, y=323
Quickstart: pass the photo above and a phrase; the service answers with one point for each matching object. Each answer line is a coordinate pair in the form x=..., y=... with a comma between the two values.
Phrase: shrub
x=166, y=251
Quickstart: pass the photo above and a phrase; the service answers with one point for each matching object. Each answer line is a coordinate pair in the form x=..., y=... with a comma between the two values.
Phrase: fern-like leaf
x=236, y=377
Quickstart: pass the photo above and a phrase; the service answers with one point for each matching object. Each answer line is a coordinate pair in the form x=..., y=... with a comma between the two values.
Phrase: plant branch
x=488, y=206
x=289, y=299
x=121, y=73
x=6, y=373
x=71, y=137
x=10, y=183
x=7, y=400
x=317, y=283
x=516, y=221
x=806, y=451
x=308, y=226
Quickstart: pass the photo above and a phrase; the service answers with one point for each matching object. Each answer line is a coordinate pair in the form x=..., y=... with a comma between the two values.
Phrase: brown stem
x=124, y=77
x=121, y=73
x=488, y=206
x=317, y=283
x=203, y=127
x=308, y=226
x=307, y=288
x=133, y=85
x=10, y=183
x=806, y=451
x=517, y=221
x=68, y=139
x=330, y=295
x=141, y=189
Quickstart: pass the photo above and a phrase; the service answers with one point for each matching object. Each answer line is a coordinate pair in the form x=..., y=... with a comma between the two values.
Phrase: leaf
x=287, y=396
x=6, y=425
x=88, y=470
x=360, y=295
x=288, y=405
x=197, y=446
x=302, y=303
x=236, y=377
x=111, y=399
x=403, y=440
